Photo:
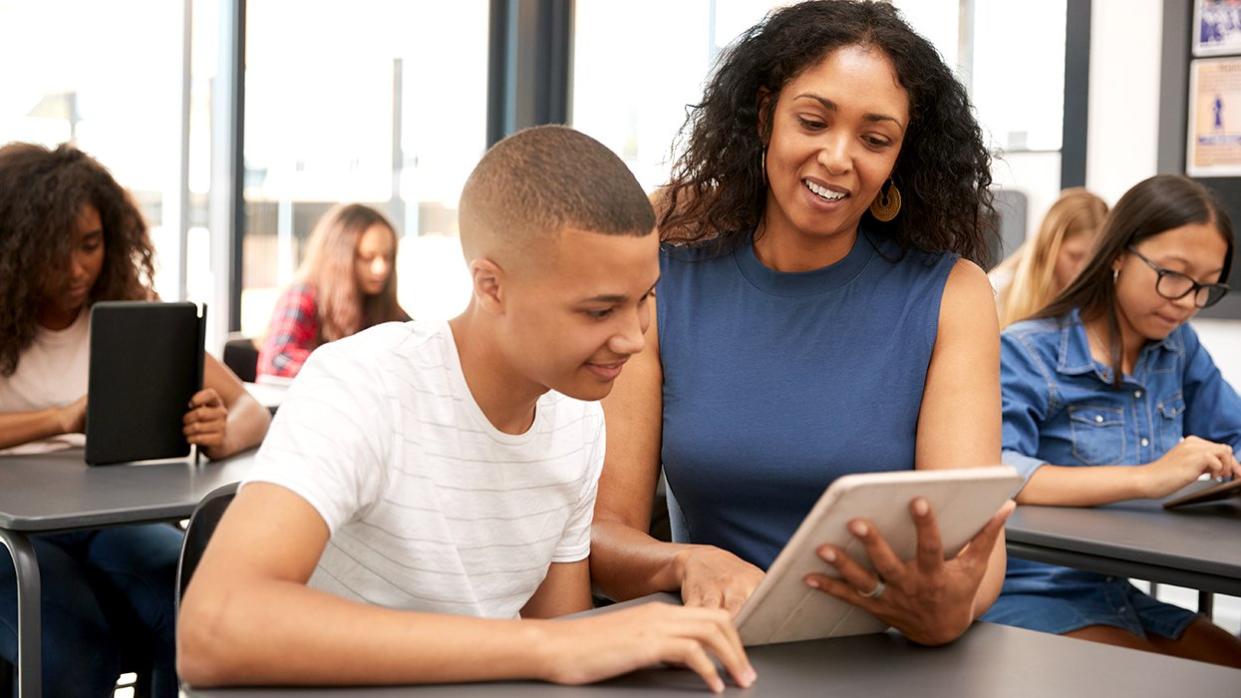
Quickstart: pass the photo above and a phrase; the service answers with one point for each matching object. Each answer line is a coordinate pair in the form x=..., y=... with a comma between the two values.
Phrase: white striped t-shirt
x=430, y=507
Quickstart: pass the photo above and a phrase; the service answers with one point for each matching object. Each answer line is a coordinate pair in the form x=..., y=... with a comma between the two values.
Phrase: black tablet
x=146, y=363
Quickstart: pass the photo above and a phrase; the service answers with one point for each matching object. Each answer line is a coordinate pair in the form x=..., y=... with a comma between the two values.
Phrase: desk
x=990, y=661
x=1197, y=546
x=58, y=492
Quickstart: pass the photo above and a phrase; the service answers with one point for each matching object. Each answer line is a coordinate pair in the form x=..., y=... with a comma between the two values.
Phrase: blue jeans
x=107, y=599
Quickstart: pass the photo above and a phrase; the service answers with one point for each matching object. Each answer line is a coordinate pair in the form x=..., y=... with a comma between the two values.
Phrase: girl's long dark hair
x=1153, y=206
x=42, y=193
x=329, y=267
x=717, y=190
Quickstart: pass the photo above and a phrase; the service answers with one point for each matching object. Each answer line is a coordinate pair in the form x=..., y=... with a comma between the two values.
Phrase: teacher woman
x=821, y=312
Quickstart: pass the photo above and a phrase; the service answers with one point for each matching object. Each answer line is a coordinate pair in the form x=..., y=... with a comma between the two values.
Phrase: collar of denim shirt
x=1075, y=359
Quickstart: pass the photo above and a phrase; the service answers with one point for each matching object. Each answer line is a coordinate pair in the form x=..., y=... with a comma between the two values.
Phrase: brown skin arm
x=930, y=599
x=223, y=419
x=565, y=590
x=959, y=423
x=625, y=561
x=17, y=428
x=1091, y=485
x=248, y=618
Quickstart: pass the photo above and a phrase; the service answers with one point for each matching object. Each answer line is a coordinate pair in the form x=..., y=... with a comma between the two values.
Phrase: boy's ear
x=487, y=278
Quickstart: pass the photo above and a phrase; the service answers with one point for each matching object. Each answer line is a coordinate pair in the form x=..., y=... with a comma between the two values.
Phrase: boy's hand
x=592, y=649
x=206, y=421
x=715, y=578
x=1186, y=462
x=72, y=417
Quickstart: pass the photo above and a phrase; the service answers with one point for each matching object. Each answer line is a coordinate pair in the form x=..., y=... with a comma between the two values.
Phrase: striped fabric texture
x=430, y=507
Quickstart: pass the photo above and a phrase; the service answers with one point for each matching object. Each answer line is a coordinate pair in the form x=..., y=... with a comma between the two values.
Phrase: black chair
x=242, y=357
x=203, y=521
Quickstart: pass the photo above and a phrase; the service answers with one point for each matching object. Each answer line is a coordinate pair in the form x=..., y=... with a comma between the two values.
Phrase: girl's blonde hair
x=329, y=268
x=1033, y=286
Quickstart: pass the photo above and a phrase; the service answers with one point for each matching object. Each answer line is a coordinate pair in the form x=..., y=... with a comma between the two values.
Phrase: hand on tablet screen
x=600, y=647
x=929, y=599
x=715, y=578
x=1185, y=463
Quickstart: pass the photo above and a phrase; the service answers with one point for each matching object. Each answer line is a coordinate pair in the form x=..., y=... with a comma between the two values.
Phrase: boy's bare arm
x=565, y=590
x=249, y=618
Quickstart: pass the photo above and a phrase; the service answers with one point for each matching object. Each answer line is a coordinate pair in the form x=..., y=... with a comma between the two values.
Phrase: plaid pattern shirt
x=293, y=333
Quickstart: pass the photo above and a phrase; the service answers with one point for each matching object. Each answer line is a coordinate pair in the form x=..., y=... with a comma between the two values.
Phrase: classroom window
x=114, y=93
x=380, y=102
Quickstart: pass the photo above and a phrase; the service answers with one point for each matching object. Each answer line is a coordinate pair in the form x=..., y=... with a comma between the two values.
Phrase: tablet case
x=146, y=363
x=784, y=609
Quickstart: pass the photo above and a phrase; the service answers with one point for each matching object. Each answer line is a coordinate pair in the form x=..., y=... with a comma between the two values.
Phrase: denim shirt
x=1060, y=406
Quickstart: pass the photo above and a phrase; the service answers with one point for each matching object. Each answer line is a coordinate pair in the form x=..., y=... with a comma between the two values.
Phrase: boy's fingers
x=690, y=654
x=725, y=646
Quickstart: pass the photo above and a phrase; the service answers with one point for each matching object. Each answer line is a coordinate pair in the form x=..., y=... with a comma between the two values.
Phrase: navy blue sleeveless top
x=775, y=383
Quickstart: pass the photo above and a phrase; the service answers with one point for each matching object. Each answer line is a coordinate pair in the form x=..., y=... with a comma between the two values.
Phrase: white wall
x=1035, y=174
x=1123, y=133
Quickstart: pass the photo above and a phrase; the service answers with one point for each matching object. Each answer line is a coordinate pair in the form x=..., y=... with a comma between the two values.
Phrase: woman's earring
x=762, y=163
x=885, y=206
x=1115, y=276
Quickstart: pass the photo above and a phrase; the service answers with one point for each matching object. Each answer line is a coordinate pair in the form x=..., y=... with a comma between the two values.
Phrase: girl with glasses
x=1108, y=395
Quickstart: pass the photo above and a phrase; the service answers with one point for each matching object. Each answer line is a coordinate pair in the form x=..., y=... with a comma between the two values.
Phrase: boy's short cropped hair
x=541, y=180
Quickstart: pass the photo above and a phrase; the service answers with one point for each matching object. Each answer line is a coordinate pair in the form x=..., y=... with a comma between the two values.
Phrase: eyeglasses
x=1174, y=285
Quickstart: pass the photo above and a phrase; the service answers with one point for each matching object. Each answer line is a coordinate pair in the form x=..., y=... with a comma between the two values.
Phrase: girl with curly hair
x=71, y=236
x=347, y=283
x=821, y=312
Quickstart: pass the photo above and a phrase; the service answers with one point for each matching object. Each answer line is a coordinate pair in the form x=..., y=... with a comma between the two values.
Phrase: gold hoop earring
x=885, y=206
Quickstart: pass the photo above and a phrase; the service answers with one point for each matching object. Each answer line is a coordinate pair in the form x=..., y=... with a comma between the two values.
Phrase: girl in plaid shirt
x=346, y=284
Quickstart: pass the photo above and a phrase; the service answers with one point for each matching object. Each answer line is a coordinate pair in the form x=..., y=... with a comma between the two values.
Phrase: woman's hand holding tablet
x=928, y=598
x=906, y=549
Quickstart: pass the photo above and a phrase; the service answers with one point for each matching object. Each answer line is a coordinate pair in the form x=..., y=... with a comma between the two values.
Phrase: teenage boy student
x=423, y=500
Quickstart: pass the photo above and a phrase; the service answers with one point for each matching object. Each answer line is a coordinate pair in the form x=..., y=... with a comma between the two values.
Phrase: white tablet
x=784, y=609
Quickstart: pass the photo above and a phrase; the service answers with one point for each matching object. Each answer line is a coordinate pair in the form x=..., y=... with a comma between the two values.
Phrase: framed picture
x=1214, y=143
x=1217, y=27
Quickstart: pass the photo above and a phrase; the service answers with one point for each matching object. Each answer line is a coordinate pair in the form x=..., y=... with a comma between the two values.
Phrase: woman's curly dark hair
x=717, y=190
x=42, y=193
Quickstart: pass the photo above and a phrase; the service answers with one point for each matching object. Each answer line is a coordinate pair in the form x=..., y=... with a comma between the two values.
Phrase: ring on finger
x=875, y=593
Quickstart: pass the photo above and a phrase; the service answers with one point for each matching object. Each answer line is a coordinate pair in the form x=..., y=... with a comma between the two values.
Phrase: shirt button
x=1137, y=394
x=1146, y=442
x=1098, y=418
